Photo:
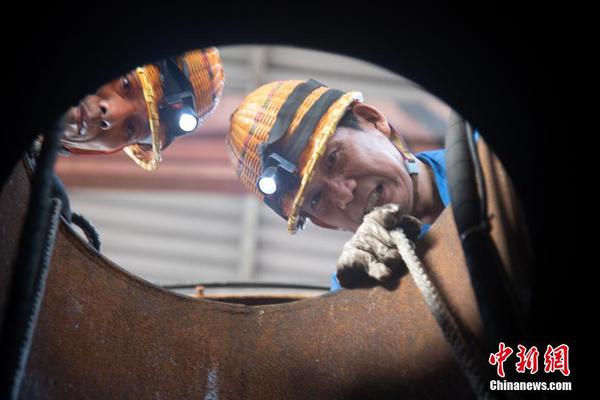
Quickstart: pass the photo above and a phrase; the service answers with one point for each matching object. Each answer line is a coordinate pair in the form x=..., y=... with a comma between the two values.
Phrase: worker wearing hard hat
x=308, y=151
x=143, y=111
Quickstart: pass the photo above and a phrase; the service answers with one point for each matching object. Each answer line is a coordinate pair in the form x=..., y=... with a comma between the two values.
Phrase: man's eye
x=331, y=159
x=126, y=84
x=315, y=200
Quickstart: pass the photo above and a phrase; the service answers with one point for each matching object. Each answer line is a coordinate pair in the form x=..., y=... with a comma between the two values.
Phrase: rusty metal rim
x=238, y=284
x=124, y=275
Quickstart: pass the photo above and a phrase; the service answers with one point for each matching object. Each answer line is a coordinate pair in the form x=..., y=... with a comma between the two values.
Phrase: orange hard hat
x=204, y=71
x=284, y=126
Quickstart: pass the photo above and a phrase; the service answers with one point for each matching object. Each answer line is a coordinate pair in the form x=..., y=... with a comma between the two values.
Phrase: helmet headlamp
x=278, y=175
x=178, y=106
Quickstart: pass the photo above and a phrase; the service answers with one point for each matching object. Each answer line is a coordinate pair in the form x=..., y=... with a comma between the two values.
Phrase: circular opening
x=191, y=222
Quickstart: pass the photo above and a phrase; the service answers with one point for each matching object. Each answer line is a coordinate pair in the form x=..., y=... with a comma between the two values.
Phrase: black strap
x=299, y=140
x=305, y=129
x=274, y=202
x=92, y=235
x=288, y=111
x=303, y=132
x=174, y=80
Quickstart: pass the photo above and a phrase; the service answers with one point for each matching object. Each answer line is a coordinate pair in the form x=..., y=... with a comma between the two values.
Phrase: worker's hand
x=371, y=252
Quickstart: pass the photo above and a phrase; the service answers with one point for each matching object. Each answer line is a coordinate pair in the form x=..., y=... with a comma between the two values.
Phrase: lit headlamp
x=178, y=106
x=278, y=175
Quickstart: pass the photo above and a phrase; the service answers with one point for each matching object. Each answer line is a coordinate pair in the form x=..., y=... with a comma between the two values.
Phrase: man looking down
x=308, y=151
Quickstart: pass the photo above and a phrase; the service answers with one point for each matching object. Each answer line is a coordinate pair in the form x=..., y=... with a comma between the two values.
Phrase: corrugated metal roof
x=172, y=237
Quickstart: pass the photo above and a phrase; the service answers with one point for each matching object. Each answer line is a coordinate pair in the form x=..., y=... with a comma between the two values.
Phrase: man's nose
x=341, y=190
x=108, y=111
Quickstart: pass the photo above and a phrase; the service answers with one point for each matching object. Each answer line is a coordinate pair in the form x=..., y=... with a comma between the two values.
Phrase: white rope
x=441, y=313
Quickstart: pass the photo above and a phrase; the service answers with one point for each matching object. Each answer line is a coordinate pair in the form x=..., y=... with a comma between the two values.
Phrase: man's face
x=360, y=170
x=112, y=118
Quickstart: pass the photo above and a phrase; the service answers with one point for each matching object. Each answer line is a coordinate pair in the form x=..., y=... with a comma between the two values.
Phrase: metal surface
x=104, y=333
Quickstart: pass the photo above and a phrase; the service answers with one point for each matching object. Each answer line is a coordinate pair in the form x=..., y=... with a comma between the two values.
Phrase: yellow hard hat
x=278, y=135
x=204, y=71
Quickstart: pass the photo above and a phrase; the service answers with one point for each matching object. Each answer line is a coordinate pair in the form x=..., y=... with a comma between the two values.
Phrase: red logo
x=499, y=358
x=555, y=359
x=527, y=360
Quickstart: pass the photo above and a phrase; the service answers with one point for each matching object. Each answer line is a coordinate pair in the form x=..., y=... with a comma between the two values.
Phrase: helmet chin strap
x=413, y=169
x=411, y=165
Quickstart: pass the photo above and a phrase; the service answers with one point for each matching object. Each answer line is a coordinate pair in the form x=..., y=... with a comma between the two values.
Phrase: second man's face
x=360, y=170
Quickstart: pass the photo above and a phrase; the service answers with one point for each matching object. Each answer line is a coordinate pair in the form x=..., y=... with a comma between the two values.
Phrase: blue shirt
x=436, y=160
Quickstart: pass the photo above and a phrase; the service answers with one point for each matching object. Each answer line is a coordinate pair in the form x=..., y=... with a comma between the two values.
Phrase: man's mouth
x=83, y=124
x=79, y=126
x=373, y=199
x=83, y=128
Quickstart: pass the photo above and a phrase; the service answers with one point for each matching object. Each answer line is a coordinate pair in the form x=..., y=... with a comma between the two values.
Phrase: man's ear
x=372, y=116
